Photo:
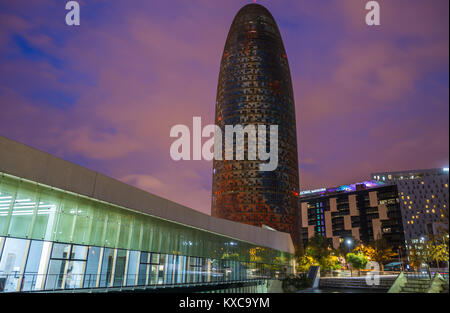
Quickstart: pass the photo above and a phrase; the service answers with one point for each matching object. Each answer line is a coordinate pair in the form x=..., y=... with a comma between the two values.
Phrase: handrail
x=91, y=282
x=362, y=273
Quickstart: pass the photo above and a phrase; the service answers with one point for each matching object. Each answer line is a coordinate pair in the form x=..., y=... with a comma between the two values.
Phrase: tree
x=435, y=249
x=415, y=258
x=318, y=252
x=367, y=250
x=357, y=260
x=440, y=253
x=330, y=262
x=304, y=262
x=380, y=252
x=318, y=247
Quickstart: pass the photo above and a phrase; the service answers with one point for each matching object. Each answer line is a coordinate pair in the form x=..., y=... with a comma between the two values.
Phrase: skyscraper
x=255, y=88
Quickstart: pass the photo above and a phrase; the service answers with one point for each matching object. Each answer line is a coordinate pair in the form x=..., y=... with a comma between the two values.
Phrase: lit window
x=446, y=185
x=428, y=211
x=412, y=222
x=403, y=197
x=422, y=183
x=428, y=200
x=426, y=206
x=433, y=211
x=407, y=197
x=409, y=207
x=410, y=202
x=432, y=196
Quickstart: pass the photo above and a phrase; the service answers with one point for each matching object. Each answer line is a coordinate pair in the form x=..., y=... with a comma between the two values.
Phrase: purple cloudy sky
x=105, y=94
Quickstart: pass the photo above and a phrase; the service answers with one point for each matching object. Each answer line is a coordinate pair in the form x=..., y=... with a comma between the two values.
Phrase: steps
x=416, y=285
x=356, y=283
x=444, y=288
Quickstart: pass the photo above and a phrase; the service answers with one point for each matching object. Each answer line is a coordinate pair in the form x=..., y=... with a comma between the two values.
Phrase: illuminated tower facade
x=255, y=88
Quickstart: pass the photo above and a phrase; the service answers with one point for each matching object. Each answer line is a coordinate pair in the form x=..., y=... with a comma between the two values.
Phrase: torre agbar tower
x=255, y=88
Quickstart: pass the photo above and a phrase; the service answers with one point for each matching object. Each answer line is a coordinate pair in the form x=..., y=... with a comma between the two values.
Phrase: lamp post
x=348, y=243
x=402, y=269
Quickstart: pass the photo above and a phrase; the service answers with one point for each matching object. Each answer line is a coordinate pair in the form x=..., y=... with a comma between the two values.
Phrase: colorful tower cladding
x=255, y=88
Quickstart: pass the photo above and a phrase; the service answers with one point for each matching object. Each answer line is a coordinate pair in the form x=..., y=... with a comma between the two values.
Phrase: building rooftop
x=341, y=189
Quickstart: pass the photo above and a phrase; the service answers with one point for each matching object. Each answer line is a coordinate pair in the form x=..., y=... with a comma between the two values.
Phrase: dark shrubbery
x=293, y=283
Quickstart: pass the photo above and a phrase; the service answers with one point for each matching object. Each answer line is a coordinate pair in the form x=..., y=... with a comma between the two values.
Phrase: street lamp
x=348, y=243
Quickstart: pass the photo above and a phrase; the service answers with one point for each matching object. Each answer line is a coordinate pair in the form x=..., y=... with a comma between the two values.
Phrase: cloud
x=106, y=94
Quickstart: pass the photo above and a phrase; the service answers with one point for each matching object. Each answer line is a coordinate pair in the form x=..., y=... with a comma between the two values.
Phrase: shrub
x=357, y=261
x=293, y=283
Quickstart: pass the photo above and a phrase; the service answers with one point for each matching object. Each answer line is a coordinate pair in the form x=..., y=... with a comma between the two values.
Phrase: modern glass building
x=66, y=227
x=255, y=88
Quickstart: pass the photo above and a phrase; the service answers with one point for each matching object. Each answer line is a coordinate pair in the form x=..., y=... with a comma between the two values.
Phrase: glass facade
x=52, y=239
x=255, y=88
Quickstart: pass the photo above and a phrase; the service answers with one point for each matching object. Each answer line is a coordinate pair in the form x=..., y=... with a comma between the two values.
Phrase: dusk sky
x=105, y=94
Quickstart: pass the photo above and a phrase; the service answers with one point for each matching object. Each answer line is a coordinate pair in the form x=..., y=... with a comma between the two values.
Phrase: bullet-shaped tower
x=255, y=88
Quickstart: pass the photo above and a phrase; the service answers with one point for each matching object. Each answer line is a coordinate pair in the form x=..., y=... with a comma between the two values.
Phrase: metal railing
x=97, y=282
x=355, y=273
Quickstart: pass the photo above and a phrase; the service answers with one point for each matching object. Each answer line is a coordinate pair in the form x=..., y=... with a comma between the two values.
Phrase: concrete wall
x=25, y=162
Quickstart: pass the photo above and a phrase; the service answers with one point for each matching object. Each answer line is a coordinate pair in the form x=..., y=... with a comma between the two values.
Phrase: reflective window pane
x=60, y=251
x=120, y=267
x=55, y=274
x=107, y=264
x=11, y=262
x=90, y=277
x=31, y=273
x=132, y=267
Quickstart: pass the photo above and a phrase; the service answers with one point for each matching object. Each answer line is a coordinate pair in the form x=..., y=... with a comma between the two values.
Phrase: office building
x=361, y=212
x=423, y=200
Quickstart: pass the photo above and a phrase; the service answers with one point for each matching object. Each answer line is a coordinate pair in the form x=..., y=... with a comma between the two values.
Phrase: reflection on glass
x=11, y=262
x=161, y=268
x=32, y=268
x=132, y=267
x=107, y=264
x=79, y=252
x=120, y=267
x=142, y=275
x=55, y=274
x=74, y=276
x=60, y=251
x=93, y=259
